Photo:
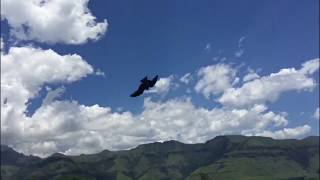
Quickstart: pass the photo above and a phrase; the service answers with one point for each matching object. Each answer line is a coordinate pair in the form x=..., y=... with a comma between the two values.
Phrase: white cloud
x=186, y=78
x=100, y=73
x=240, y=50
x=310, y=67
x=287, y=133
x=163, y=85
x=235, y=81
x=41, y=148
x=269, y=88
x=1, y=44
x=24, y=71
x=72, y=128
x=208, y=47
x=316, y=114
x=215, y=79
x=33, y=67
x=43, y=20
x=250, y=76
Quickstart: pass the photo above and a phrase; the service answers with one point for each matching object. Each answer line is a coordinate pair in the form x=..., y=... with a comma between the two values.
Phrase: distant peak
x=58, y=155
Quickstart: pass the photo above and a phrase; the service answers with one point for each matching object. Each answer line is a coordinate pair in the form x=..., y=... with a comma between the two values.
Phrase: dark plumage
x=145, y=85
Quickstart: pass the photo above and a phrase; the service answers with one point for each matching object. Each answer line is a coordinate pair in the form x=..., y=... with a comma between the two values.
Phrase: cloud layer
x=163, y=85
x=69, y=127
x=268, y=88
x=215, y=79
x=72, y=128
x=43, y=20
x=24, y=71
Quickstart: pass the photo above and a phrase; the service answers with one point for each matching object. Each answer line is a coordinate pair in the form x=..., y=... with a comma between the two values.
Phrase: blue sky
x=172, y=38
x=165, y=37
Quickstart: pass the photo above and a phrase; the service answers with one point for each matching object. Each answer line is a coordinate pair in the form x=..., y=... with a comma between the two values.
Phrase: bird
x=145, y=85
x=5, y=101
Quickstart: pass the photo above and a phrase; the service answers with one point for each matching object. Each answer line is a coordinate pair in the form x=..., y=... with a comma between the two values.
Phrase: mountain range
x=231, y=157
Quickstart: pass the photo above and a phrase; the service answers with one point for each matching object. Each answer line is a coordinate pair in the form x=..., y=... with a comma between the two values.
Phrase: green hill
x=224, y=157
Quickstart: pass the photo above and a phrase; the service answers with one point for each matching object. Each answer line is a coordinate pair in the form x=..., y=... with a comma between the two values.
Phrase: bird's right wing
x=154, y=81
x=139, y=91
x=144, y=79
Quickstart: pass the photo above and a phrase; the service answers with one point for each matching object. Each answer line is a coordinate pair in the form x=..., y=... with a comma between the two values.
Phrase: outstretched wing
x=153, y=81
x=139, y=91
x=144, y=79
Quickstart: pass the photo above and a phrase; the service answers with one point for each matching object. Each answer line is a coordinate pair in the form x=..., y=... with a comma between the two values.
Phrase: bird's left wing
x=139, y=91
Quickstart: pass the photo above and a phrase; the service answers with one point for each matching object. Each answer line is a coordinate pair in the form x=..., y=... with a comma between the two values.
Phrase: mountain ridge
x=223, y=157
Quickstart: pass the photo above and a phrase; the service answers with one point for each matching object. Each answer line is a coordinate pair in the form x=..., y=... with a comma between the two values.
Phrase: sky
x=225, y=67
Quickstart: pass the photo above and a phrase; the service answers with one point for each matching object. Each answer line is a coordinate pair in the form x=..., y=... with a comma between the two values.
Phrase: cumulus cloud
x=316, y=114
x=287, y=133
x=69, y=127
x=24, y=71
x=310, y=67
x=250, y=76
x=163, y=85
x=269, y=88
x=215, y=79
x=33, y=67
x=72, y=128
x=43, y=20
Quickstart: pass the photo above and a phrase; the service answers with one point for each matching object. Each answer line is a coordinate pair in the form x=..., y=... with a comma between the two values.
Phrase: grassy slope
x=226, y=157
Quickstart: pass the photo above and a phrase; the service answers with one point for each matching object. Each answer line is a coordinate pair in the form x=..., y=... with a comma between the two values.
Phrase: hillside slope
x=224, y=157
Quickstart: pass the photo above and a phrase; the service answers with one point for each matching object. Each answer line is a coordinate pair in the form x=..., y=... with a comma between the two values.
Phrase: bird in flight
x=145, y=85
